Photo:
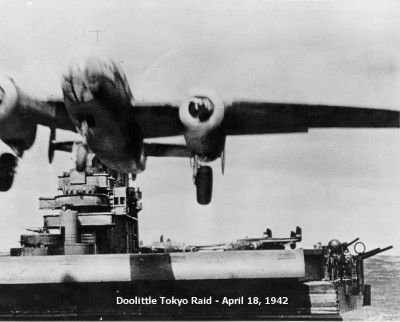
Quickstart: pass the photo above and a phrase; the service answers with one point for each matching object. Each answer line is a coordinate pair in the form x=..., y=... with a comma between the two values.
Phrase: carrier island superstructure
x=85, y=262
x=95, y=212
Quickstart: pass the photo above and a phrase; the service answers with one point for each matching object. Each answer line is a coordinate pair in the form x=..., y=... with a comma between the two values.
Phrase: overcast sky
x=333, y=183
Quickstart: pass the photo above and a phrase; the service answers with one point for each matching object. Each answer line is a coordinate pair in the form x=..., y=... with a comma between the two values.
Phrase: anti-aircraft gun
x=346, y=269
x=339, y=262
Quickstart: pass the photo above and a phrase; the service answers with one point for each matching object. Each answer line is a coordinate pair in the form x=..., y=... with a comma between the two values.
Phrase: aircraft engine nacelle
x=202, y=115
x=16, y=129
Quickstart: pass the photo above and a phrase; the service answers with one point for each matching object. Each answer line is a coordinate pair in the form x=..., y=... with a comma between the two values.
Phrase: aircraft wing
x=155, y=120
x=20, y=114
x=241, y=118
x=262, y=118
x=166, y=150
x=209, y=245
x=249, y=117
x=269, y=240
x=279, y=240
x=51, y=113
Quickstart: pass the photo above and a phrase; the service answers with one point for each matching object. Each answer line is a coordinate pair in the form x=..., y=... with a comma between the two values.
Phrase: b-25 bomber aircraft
x=98, y=104
x=259, y=243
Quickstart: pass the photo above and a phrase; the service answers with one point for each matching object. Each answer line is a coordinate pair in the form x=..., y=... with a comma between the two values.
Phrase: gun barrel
x=386, y=248
x=375, y=252
x=352, y=242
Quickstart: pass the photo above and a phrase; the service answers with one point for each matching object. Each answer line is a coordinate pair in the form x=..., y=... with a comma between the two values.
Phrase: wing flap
x=262, y=118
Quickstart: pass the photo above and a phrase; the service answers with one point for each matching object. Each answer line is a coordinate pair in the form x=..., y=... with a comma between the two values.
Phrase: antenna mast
x=97, y=31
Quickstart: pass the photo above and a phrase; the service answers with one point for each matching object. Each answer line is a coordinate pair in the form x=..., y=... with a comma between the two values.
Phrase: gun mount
x=346, y=270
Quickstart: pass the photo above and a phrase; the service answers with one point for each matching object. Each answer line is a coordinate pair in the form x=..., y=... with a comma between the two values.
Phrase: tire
x=8, y=163
x=204, y=185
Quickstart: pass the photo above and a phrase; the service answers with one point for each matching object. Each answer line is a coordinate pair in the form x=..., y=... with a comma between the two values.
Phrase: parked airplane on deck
x=257, y=243
x=98, y=103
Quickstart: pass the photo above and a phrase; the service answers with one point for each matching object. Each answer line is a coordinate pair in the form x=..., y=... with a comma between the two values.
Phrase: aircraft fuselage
x=97, y=99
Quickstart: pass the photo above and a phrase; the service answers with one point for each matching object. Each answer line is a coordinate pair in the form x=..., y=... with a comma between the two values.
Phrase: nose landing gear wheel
x=204, y=183
x=8, y=163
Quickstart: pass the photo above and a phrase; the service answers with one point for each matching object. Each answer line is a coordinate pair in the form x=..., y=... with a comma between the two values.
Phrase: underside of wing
x=155, y=120
x=54, y=115
x=166, y=150
x=20, y=114
x=278, y=240
x=320, y=116
x=51, y=113
x=262, y=118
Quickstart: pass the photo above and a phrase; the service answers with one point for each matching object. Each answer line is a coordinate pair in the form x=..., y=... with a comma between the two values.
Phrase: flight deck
x=86, y=262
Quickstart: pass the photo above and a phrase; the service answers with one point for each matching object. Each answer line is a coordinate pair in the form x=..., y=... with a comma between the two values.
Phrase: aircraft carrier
x=86, y=262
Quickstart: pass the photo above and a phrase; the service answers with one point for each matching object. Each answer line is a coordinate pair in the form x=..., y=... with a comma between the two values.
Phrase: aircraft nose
x=99, y=68
x=86, y=79
x=83, y=80
x=75, y=85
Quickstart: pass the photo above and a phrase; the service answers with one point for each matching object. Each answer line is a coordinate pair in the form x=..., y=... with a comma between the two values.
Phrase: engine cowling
x=16, y=129
x=202, y=115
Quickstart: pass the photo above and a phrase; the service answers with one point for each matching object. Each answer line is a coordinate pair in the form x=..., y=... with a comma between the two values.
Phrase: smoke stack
x=69, y=220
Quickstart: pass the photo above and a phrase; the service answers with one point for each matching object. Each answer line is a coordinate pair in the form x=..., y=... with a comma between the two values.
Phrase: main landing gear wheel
x=204, y=184
x=8, y=163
